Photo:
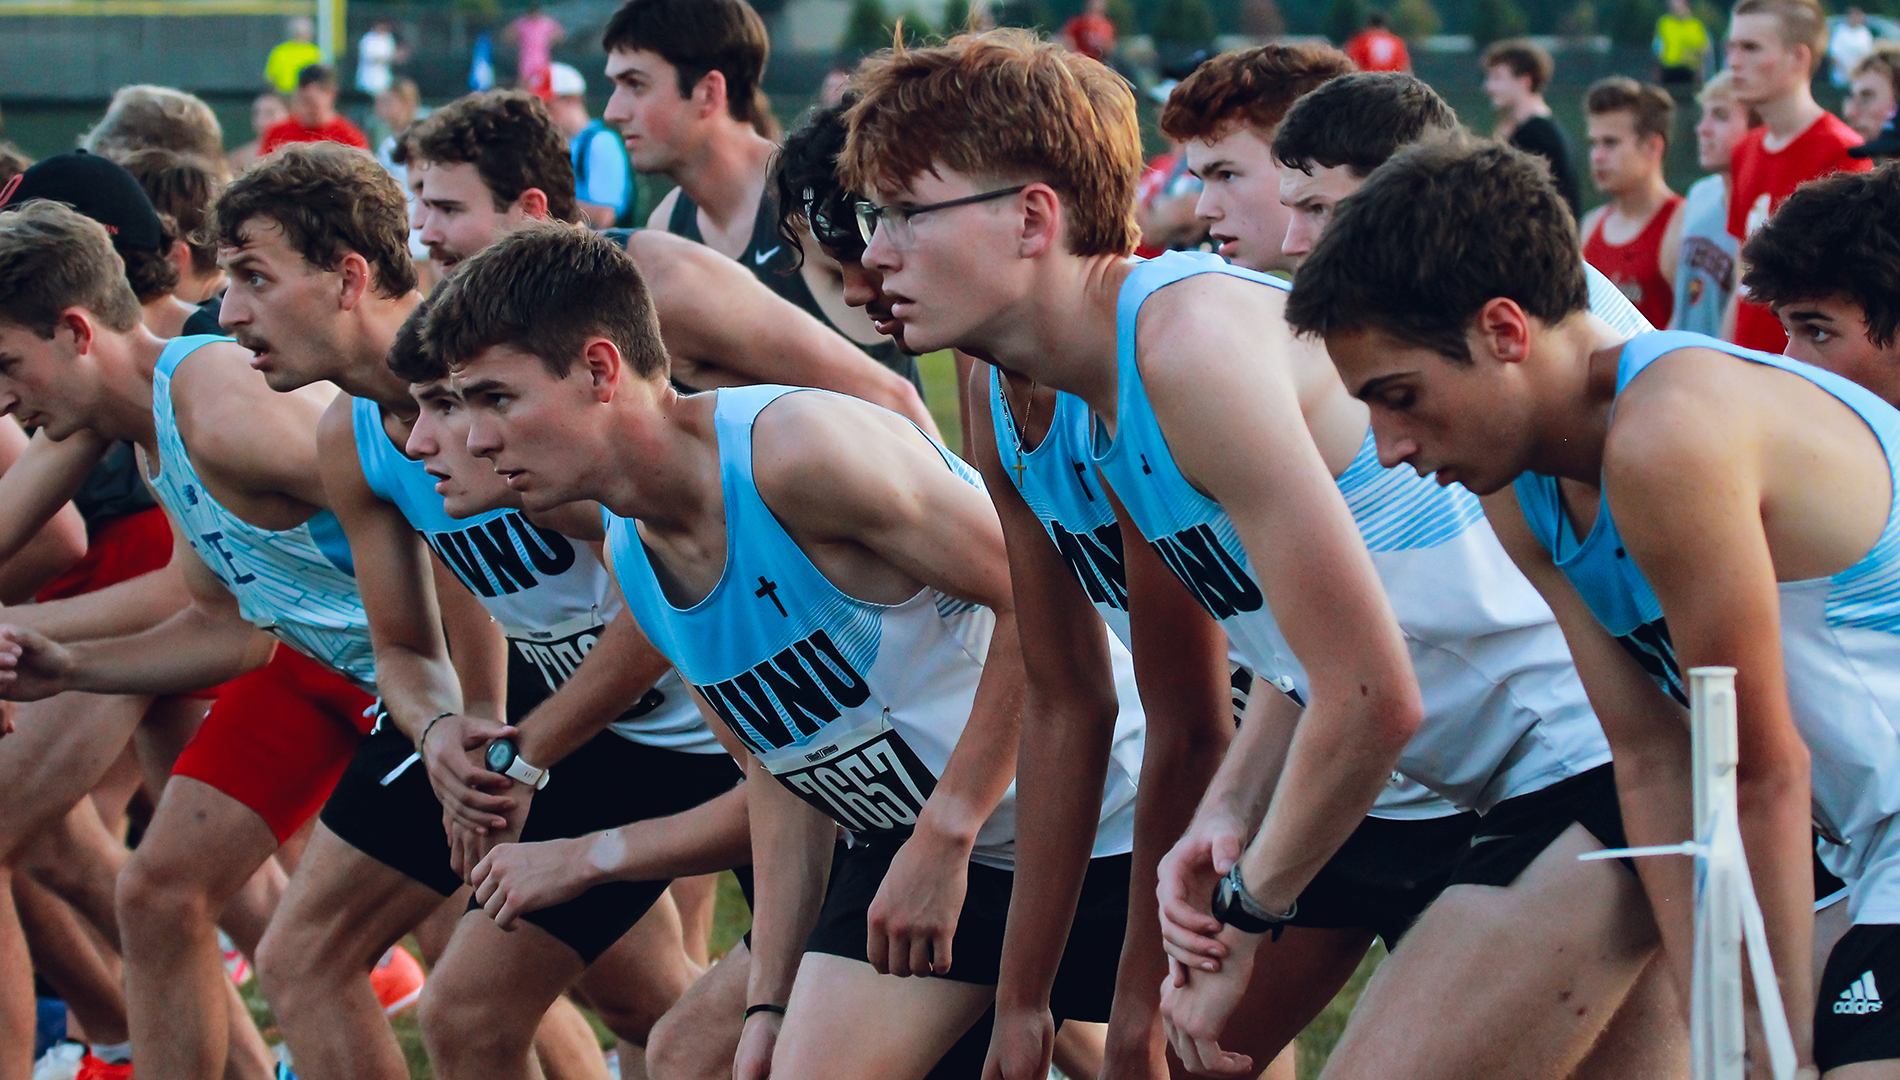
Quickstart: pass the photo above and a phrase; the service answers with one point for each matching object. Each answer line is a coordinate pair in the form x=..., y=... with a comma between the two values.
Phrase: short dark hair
x=53, y=257
x=1360, y=121
x=810, y=195
x=1834, y=237
x=150, y=271
x=1525, y=59
x=1435, y=234
x=316, y=75
x=545, y=290
x=510, y=138
x=182, y=187
x=1652, y=111
x=1248, y=86
x=698, y=37
x=329, y=199
x=409, y=357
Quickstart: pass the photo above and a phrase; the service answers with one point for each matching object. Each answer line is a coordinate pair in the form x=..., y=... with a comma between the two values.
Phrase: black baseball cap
x=99, y=188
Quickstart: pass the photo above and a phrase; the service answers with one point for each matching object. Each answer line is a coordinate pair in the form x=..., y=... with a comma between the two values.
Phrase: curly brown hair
x=329, y=199
x=1248, y=86
x=511, y=140
x=1835, y=237
x=183, y=187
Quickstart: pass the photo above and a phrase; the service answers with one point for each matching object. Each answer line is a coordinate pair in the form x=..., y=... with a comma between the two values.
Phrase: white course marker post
x=1716, y=1032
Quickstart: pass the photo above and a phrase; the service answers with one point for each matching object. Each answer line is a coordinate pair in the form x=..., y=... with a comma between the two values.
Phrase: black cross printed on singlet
x=1082, y=477
x=769, y=590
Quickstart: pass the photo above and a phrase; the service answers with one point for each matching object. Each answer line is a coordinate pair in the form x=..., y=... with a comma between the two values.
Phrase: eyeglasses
x=897, y=218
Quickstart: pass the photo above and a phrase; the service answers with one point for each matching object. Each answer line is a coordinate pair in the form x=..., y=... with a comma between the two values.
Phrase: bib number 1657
x=878, y=786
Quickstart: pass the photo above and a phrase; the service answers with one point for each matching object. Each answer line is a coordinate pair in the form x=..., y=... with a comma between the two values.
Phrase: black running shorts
x=1385, y=874
x=1516, y=831
x=1852, y=1020
x=607, y=782
x=1085, y=980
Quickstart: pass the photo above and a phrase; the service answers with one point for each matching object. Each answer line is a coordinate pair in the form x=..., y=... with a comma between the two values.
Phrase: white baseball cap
x=564, y=81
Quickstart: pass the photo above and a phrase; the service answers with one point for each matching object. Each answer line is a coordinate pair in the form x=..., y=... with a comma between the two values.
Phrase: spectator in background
x=1774, y=49
x=1091, y=33
x=144, y=116
x=1849, y=44
x=603, y=178
x=376, y=54
x=1635, y=239
x=1705, y=270
x=290, y=57
x=1874, y=91
x=313, y=116
x=1515, y=75
x=1682, y=45
x=1377, y=48
x=534, y=37
x=397, y=107
x=267, y=111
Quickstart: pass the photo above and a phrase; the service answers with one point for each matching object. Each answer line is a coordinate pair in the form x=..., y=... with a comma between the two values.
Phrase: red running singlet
x=1635, y=267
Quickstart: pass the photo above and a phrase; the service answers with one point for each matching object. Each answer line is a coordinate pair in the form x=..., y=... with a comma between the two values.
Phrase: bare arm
x=1225, y=394
x=1669, y=258
x=41, y=535
x=1647, y=729
x=1064, y=757
x=1683, y=477
x=204, y=644
x=713, y=313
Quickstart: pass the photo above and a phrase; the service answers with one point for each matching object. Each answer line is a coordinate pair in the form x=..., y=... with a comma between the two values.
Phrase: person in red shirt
x=1378, y=49
x=1091, y=33
x=1774, y=48
x=1635, y=239
x=313, y=116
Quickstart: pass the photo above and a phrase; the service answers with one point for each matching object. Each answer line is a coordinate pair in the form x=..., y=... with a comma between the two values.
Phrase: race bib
x=865, y=778
x=556, y=651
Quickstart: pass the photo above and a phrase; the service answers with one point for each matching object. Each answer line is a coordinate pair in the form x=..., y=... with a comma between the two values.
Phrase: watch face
x=501, y=754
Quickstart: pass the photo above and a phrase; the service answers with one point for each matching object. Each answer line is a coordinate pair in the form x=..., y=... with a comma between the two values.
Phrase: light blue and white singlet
x=1840, y=641
x=854, y=706
x=1057, y=480
x=299, y=584
x=551, y=596
x=1505, y=713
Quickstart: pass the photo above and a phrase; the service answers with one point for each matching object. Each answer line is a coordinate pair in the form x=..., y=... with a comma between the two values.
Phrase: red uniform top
x=1378, y=49
x=339, y=130
x=1761, y=179
x=1636, y=267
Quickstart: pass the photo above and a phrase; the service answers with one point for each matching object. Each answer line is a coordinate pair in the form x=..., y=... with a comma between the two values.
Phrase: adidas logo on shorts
x=1860, y=998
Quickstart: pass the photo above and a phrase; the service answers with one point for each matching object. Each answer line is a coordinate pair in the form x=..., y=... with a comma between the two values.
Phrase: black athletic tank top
x=774, y=263
x=113, y=489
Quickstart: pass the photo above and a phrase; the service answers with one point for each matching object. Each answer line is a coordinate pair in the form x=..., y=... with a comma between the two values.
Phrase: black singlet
x=775, y=264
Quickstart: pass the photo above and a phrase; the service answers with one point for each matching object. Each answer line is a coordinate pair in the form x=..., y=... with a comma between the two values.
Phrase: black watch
x=1234, y=906
x=502, y=757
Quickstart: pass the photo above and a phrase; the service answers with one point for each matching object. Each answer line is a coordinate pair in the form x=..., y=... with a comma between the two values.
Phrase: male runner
x=1516, y=74
x=214, y=437
x=1705, y=274
x=835, y=585
x=628, y=749
x=1031, y=276
x=1874, y=92
x=1754, y=527
x=686, y=97
x=489, y=163
x=1774, y=49
x=1636, y=237
x=1225, y=115
x=1823, y=265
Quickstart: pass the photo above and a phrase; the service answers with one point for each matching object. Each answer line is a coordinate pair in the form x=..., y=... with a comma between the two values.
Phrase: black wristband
x=764, y=1007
